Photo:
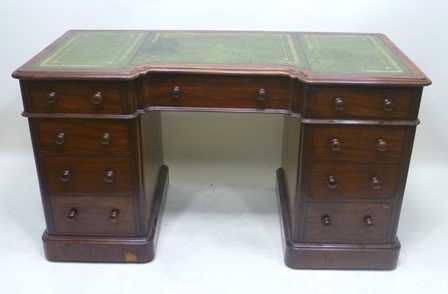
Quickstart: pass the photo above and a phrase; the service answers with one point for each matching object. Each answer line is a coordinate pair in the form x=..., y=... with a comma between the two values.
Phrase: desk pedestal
x=331, y=255
x=111, y=249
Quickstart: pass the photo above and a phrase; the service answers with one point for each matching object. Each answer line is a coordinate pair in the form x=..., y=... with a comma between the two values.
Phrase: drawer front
x=93, y=215
x=347, y=222
x=341, y=103
x=77, y=97
x=215, y=91
x=353, y=180
x=377, y=142
x=88, y=175
x=84, y=135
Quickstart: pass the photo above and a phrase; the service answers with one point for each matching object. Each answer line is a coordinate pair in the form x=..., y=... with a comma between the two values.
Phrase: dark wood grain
x=330, y=255
x=93, y=210
x=353, y=180
x=363, y=103
x=74, y=96
x=216, y=91
x=358, y=141
x=347, y=144
x=103, y=136
x=347, y=222
x=88, y=175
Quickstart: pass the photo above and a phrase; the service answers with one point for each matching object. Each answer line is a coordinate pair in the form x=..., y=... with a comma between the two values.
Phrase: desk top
x=311, y=57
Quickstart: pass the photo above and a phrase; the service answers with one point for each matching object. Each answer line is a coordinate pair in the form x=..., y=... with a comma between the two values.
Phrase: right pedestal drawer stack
x=354, y=156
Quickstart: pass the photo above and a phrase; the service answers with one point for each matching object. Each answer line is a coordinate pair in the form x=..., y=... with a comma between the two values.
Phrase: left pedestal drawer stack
x=89, y=153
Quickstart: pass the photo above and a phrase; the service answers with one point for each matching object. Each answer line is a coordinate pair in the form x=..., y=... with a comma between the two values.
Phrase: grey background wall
x=416, y=27
x=230, y=146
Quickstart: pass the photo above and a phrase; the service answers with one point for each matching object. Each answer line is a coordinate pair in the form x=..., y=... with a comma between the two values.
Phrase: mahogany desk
x=350, y=102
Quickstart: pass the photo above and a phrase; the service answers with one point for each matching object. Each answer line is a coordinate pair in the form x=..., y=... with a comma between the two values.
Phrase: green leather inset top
x=222, y=48
x=350, y=54
x=320, y=53
x=95, y=50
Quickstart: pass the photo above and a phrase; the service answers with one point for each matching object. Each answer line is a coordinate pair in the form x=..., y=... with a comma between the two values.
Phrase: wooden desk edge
x=302, y=75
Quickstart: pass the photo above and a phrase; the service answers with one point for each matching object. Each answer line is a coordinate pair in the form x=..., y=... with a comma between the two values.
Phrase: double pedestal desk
x=350, y=104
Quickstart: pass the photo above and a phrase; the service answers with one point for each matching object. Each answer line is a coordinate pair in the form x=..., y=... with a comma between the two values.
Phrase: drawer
x=215, y=91
x=361, y=103
x=353, y=180
x=83, y=135
x=348, y=141
x=93, y=215
x=78, y=97
x=88, y=175
x=347, y=222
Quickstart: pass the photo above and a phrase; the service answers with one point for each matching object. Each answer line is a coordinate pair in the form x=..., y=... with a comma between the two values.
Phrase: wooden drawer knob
x=375, y=183
x=175, y=93
x=368, y=221
x=113, y=216
x=381, y=144
x=52, y=97
x=72, y=214
x=262, y=95
x=338, y=103
x=66, y=175
x=388, y=105
x=331, y=182
x=105, y=139
x=326, y=221
x=335, y=145
x=60, y=138
x=97, y=98
x=109, y=176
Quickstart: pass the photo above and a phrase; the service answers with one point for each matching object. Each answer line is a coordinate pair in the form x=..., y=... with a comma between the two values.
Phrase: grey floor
x=220, y=233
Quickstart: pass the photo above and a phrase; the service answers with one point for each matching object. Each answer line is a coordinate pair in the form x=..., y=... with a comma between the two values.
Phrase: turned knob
x=326, y=220
x=381, y=144
x=176, y=92
x=72, y=214
x=105, y=139
x=335, y=145
x=331, y=182
x=66, y=175
x=375, y=183
x=338, y=103
x=97, y=98
x=52, y=97
x=368, y=221
x=60, y=138
x=113, y=216
x=109, y=176
x=388, y=105
x=262, y=95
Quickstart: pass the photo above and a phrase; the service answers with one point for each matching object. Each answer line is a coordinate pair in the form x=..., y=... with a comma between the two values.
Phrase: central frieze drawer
x=347, y=222
x=349, y=141
x=88, y=175
x=93, y=215
x=362, y=103
x=209, y=91
x=84, y=135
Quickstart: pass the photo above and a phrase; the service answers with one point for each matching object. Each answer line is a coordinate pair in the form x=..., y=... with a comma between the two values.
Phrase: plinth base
x=110, y=249
x=300, y=255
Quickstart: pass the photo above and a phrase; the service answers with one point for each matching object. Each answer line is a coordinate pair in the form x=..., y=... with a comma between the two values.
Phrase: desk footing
x=300, y=255
x=110, y=249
